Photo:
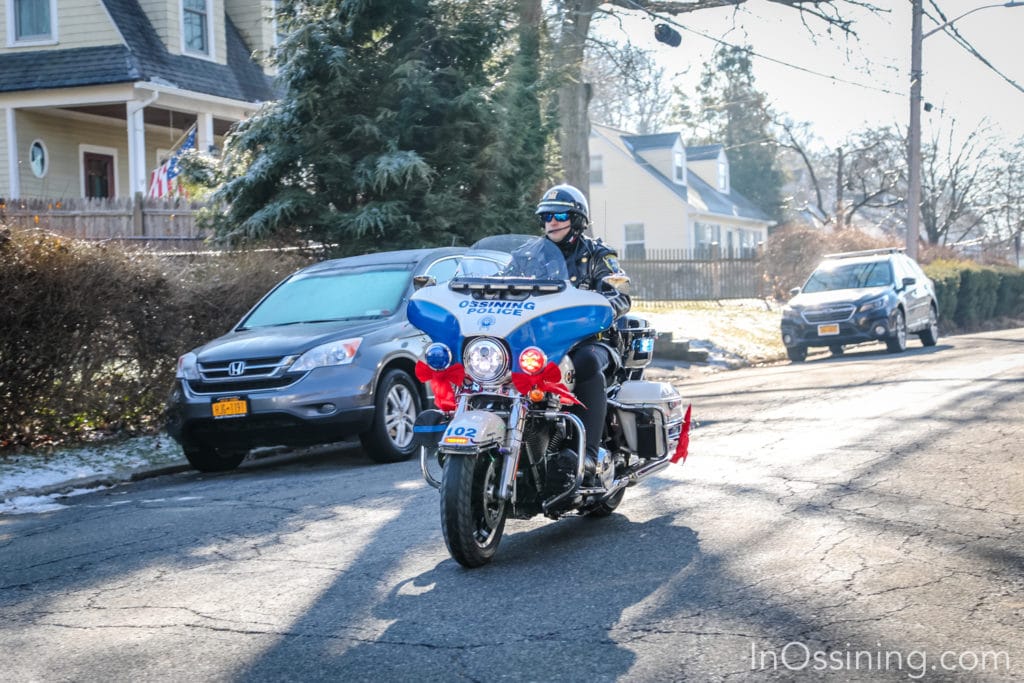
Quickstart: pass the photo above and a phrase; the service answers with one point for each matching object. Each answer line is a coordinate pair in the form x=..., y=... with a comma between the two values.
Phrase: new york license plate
x=229, y=407
x=826, y=330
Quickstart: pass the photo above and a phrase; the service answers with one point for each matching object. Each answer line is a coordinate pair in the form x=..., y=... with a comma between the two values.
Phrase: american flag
x=163, y=179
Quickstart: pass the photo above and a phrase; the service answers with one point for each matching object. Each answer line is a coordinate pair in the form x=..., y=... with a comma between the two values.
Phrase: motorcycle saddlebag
x=651, y=416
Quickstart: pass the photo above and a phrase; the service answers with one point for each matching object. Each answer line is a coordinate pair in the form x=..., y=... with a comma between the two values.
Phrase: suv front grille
x=829, y=314
x=246, y=374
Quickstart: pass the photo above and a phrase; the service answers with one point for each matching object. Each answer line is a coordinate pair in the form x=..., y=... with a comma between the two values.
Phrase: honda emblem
x=236, y=368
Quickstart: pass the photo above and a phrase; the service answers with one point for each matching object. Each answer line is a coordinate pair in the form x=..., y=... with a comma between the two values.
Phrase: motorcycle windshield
x=534, y=258
x=529, y=303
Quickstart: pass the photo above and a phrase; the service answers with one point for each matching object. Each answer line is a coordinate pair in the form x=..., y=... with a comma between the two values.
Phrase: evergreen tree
x=731, y=111
x=387, y=134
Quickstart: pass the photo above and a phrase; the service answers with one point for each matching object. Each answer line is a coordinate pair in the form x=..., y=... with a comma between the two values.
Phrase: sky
x=866, y=80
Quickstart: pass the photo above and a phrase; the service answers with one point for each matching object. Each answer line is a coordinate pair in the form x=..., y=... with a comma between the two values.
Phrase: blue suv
x=861, y=296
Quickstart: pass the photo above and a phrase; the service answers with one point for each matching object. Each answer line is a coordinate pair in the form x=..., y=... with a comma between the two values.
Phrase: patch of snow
x=21, y=474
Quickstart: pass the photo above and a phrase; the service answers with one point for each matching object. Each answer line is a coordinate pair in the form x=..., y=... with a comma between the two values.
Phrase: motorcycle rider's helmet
x=566, y=199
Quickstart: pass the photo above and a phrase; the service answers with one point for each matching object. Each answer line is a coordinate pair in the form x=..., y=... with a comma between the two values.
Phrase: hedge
x=90, y=334
x=970, y=294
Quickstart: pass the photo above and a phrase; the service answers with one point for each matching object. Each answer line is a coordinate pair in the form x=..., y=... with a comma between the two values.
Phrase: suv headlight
x=333, y=353
x=790, y=312
x=188, y=367
x=872, y=305
x=486, y=360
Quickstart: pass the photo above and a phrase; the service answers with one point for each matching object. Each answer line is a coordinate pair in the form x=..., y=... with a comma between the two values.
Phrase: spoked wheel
x=897, y=343
x=472, y=516
x=395, y=409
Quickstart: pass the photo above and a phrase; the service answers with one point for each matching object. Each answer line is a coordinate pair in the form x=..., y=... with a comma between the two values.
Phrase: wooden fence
x=160, y=223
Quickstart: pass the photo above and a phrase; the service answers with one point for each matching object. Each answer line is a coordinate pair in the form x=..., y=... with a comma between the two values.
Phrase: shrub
x=89, y=334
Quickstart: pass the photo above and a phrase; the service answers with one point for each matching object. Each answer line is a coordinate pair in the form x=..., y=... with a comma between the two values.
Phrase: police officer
x=565, y=215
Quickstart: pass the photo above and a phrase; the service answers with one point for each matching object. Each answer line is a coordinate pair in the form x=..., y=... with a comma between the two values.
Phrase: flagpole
x=182, y=138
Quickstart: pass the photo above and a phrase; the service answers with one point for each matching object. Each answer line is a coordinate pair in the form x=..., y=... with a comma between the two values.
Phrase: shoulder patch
x=612, y=263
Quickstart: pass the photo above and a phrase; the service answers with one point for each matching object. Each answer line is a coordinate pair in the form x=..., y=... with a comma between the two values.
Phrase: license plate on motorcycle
x=232, y=406
x=826, y=330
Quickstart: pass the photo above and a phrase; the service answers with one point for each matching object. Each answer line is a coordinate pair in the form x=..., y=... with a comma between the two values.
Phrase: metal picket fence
x=680, y=276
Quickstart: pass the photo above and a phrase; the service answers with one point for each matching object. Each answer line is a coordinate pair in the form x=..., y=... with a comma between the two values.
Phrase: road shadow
x=547, y=605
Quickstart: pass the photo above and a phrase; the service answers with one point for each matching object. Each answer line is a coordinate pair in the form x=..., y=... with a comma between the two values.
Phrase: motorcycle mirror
x=620, y=281
x=421, y=281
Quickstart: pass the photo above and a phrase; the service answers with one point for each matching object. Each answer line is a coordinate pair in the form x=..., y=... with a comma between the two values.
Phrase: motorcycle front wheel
x=472, y=516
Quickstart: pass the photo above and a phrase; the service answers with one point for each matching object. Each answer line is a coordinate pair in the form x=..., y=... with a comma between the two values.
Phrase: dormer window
x=31, y=21
x=678, y=167
x=195, y=21
x=723, y=174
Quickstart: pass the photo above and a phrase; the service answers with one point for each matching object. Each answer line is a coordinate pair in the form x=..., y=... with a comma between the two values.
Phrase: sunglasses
x=547, y=216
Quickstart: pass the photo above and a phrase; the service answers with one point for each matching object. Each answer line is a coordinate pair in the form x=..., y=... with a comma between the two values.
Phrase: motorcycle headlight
x=486, y=360
x=333, y=353
x=188, y=367
x=872, y=305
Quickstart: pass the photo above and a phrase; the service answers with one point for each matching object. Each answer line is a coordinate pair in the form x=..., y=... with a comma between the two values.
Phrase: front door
x=99, y=175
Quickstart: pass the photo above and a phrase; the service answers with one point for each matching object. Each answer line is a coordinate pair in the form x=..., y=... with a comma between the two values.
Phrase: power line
x=761, y=56
x=964, y=43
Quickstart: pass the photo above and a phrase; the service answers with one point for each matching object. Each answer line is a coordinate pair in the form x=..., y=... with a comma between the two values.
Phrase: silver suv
x=325, y=355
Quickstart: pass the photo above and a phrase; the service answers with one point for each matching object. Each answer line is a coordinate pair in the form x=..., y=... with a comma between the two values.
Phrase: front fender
x=473, y=431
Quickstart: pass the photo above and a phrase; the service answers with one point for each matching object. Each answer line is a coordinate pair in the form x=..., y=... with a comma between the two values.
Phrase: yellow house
x=651, y=193
x=95, y=93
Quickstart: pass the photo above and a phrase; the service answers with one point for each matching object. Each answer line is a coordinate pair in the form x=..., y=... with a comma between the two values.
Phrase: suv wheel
x=797, y=354
x=930, y=335
x=396, y=406
x=898, y=341
x=208, y=459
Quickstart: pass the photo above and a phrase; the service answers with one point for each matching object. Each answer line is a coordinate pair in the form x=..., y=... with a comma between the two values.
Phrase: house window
x=634, y=242
x=38, y=158
x=679, y=168
x=32, y=20
x=596, y=170
x=195, y=21
x=723, y=175
x=707, y=240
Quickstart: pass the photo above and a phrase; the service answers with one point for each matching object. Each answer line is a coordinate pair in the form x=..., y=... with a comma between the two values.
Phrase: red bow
x=549, y=380
x=442, y=383
x=682, y=450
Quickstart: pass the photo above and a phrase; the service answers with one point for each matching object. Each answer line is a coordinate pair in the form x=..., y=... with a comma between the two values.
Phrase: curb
x=99, y=480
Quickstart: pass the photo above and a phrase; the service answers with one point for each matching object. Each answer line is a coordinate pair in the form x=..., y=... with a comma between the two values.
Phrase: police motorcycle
x=501, y=376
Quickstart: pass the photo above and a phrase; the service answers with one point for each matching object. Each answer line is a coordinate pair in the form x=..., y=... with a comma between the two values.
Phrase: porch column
x=14, y=182
x=138, y=174
x=204, y=132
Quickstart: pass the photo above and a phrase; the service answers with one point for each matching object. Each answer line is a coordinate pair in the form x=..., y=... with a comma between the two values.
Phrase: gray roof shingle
x=143, y=58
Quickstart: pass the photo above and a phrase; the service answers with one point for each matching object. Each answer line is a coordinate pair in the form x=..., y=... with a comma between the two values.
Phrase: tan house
x=94, y=93
x=651, y=193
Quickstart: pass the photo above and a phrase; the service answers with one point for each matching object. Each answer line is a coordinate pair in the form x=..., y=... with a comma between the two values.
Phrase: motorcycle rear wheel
x=472, y=517
x=606, y=507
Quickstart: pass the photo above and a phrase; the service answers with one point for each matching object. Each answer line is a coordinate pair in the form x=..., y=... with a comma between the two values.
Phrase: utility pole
x=914, y=134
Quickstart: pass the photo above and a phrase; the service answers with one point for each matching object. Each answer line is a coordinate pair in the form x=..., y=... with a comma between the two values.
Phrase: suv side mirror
x=909, y=282
x=421, y=281
x=794, y=291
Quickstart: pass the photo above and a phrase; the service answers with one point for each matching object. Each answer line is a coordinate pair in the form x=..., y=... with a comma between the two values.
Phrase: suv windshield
x=333, y=296
x=832, y=276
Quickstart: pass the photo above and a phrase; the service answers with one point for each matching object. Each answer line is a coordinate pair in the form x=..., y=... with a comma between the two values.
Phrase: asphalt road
x=854, y=518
